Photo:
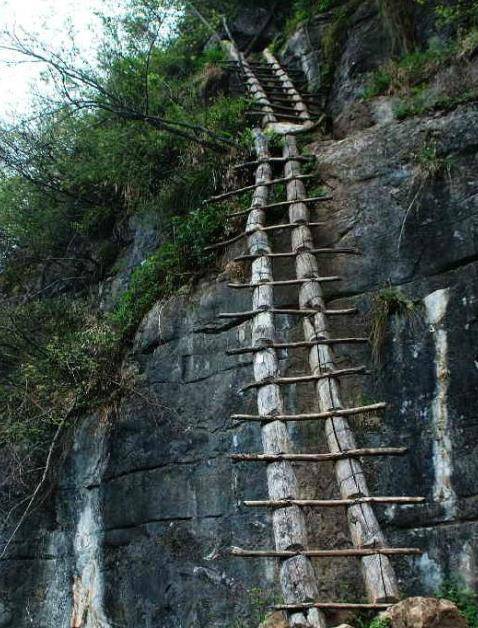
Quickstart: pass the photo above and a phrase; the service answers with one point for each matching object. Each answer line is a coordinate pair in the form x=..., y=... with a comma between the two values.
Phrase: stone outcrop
x=425, y=612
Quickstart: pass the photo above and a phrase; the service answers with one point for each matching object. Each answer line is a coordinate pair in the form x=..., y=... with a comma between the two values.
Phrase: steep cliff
x=147, y=502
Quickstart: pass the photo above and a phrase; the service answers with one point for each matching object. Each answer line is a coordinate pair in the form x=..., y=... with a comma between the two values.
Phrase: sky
x=50, y=20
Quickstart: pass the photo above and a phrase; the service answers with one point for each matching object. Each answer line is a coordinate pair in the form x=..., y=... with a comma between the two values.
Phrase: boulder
x=425, y=612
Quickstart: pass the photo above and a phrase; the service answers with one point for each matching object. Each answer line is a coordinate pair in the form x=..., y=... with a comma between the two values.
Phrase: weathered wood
x=297, y=345
x=314, y=416
x=286, y=82
x=313, y=199
x=249, y=232
x=322, y=251
x=341, y=455
x=272, y=160
x=331, y=503
x=304, y=379
x=332, y=553
x=284, y=116
x=260, y=183
x=289, y=312
x=252, y=83
x=284, y=282
x=298, y=581
x=331, y=606
x=365, y=530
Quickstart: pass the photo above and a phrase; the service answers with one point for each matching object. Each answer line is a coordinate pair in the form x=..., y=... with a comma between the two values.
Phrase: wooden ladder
x=270, y=86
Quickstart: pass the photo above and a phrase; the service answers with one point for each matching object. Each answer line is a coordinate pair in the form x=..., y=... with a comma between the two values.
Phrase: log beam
x=328, y=457
x=346, y=412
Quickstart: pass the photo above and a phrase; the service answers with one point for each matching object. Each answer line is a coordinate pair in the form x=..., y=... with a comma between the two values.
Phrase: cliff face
x=148, y=501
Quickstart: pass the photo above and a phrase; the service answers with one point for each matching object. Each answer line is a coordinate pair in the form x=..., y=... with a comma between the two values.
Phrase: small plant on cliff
x=465, y=599
x=387, y=303
x=430, y=165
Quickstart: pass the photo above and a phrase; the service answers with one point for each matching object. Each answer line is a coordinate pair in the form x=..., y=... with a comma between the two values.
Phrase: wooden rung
x=384, y=551
x=278, y=114
x=342, y=455
x=296, y=345
x=284, y=282
x=331, y=503
x=322, y=251
x=312, y=199
x=333, y=606
x=285, y=312
x=248, y=188
x=329, y=414
x=303, y=379
x=257, y=162
x=244, y=234
x=283, y=108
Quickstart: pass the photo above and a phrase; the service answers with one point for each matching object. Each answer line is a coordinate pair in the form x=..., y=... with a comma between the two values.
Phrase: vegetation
x=387, y=303
x=465, y=599
x=411, y=77
x=150, y=128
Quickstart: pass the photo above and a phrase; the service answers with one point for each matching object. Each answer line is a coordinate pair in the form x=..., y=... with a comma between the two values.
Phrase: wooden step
x=373, y=551
x=284, y=282
x=328, y=457
x=258, y=162
x=330, y=503
x=321, y=251
x=297, y=345
x=285, y=312
x=304, y=379
x=244, y=234
x=352, y=606
x=307, y=201
x=329, y=414
x=248, y=188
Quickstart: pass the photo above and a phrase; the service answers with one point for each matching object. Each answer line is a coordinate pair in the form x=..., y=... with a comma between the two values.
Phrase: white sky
x=49, y=19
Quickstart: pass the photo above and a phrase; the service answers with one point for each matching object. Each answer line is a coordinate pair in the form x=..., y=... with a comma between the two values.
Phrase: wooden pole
x=332, y=553
x=379, y=576
x=331, y=503
x=297, y=576
x=330, y=414
x=341, y=455
x=314, y=199
x=298, y=345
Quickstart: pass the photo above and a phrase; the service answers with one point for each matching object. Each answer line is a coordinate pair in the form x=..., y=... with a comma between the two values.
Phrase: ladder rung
x=331, y=503
x=278, y=114
x=296, y=345
x=244, y=234
x=248, y=188
x=322, y=251
x=342, y=455
x=266, y=160
x=303, y=379
x=385, y=551
x=286, y=312
x=284, y=282
x=334, y=606
x=313, y=199
x=329, y=414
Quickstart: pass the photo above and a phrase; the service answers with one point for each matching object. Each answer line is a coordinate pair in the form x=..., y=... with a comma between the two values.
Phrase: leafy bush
x=175, y=262
x=465, y=599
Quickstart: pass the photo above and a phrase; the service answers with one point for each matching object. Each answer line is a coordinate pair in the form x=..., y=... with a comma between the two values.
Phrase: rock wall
x=148, y=501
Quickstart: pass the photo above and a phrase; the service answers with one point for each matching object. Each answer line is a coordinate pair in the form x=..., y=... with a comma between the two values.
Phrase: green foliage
x=465, y=599
x=259, y=604
x=460, y=14
x=406, y=75
x=175, y=262
x=57, y=356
